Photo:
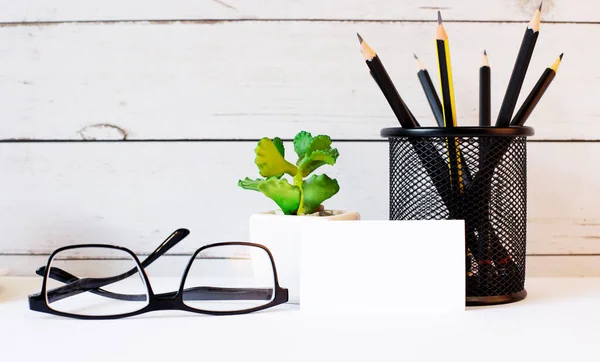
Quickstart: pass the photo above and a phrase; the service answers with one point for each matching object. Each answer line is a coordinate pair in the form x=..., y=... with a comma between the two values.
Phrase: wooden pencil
x=434, y=102
x=484, y=92
x=448, y=107
x=536, y=93
x=519, y=70
x=430, y=93
x=377, y=82
x=445, y=72
x=486, y=233
x=381, y=77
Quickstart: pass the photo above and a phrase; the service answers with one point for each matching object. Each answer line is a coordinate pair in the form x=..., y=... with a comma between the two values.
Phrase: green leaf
x=279, y=145
x=301, y=143
x=249, y=184
x=318, y=189
x=317, y=159
x=269, y=160
x=319, y=143
x=286, y=196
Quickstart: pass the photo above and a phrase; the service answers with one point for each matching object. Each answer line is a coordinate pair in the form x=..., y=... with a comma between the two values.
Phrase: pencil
x=445, y=72
x=484, y=92
x=377, y=82
x=487, y=238
x=449, y=110
x=536, y=93
x=386, y=85
x=519, y=70
x=430, y=93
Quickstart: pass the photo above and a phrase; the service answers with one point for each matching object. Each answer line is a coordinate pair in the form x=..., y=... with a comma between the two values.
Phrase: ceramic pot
x=281, y=234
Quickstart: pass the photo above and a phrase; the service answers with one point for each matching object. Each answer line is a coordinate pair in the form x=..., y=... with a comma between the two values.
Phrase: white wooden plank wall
x=167, y=81
x=195, y=83
x=403, y=10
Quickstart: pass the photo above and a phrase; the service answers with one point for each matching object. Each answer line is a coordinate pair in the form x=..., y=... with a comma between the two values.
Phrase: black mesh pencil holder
x=475, y=174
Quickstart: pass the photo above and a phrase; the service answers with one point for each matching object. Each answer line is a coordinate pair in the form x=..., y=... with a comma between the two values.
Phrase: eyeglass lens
x=230, y=278
x=94, y=281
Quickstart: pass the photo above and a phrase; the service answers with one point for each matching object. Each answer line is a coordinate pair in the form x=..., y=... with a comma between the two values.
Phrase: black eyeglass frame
x=156, y=302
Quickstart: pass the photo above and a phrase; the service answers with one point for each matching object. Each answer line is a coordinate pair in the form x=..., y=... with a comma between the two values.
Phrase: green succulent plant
x=304, y=196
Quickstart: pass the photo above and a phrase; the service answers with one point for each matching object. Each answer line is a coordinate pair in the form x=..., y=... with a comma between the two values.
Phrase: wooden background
x=124, y=120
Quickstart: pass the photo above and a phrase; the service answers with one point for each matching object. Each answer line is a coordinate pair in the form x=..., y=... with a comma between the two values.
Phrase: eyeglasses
x=97, y=281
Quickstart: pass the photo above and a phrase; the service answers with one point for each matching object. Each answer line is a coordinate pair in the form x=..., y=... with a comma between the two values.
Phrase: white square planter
x=281, y=234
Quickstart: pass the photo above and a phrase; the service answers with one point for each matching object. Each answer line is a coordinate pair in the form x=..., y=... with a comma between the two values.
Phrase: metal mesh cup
x=475, y=174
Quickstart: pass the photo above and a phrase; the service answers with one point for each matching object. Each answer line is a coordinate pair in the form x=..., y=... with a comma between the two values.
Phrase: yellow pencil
x=448, y=106
x=445, y=72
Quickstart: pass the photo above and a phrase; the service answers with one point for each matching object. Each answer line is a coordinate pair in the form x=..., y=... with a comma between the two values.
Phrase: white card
x=383, y=267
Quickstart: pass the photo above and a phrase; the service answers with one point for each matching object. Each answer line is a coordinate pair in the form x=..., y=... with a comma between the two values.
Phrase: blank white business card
x=383, y=267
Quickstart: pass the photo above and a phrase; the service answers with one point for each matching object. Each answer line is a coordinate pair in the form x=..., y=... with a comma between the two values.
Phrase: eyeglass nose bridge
x=165, y=301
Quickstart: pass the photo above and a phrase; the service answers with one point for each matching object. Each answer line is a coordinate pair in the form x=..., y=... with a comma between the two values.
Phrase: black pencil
x=536, y=93
x=430, y=93
x=485, y=232
x=519, y=70
x=434, y=102
x=484, y=92
x=386, y=85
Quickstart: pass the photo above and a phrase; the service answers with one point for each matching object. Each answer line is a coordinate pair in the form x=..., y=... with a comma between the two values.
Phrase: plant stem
x=299, y=182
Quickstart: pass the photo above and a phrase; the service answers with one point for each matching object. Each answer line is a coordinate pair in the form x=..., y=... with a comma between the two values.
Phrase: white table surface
x=559, y=321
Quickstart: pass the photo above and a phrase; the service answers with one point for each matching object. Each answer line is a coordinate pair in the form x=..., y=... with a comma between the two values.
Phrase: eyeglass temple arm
x=220, y=293
x=73, y=289
x=169, y=242
x=76, y=285
x=83, y=285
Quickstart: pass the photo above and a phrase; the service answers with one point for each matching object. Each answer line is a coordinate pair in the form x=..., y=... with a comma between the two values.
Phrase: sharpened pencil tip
x=367, y=51
x=561, y=55
x=485, y=62
x=419, y=64
x=554, y=66
x=534, y=24
x=540, y=8
x=439, y=17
